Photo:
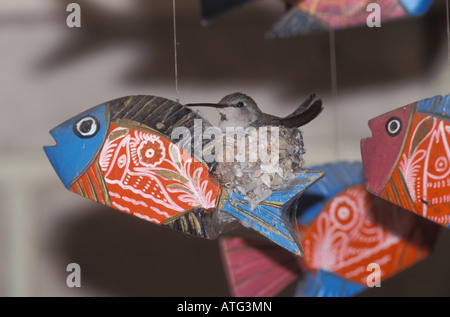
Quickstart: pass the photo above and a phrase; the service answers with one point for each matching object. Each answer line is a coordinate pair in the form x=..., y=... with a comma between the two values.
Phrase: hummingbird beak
x=213, y=105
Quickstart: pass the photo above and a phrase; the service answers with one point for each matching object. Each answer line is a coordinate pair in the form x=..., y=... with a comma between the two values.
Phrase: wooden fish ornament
x=144, y=155
x=343, y=229
x=307, y=16
x=407, y=159
x=211, y=9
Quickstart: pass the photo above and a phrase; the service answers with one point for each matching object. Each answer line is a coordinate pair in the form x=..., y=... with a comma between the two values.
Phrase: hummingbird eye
x=393, y=126
x=86, y=127
x=240, y=104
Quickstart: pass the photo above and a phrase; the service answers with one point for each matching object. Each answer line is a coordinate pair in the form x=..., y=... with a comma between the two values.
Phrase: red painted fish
x=407, y=160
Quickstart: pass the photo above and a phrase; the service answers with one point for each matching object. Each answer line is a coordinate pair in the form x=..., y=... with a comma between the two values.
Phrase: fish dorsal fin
x=437, y=106
x=177, y=123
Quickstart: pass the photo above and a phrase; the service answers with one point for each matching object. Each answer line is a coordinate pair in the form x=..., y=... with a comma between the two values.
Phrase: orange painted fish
x=343, y=230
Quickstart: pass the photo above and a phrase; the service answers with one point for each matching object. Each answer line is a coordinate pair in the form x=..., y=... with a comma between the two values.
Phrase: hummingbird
x=240, y=110
x=257, y=180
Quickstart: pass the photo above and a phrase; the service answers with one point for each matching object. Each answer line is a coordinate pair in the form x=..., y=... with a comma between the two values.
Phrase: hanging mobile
x=126, y=154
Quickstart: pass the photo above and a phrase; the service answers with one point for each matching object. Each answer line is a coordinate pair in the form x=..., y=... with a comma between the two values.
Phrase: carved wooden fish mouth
x=54, y=140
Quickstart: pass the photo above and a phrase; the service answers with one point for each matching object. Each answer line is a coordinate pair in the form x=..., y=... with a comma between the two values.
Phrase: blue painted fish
x=124, y=154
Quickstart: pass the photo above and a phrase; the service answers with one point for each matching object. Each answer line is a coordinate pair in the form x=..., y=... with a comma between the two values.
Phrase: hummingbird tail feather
x=304, y=117
x=304, y=106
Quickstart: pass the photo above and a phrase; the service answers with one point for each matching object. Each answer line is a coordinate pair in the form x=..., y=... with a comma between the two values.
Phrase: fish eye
x=393, y=126
x=86, y=127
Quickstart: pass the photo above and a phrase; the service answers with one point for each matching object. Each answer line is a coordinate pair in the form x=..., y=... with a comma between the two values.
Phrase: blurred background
x=50, y=72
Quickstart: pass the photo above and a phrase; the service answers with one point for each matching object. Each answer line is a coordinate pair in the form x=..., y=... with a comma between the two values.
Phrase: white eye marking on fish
x=86, y=127
x=393, y=126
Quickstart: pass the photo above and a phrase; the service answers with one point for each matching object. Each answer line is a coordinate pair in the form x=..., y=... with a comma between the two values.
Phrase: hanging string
x=175, y=50
x=448, y=37
x=333, y=64
x=333, y=76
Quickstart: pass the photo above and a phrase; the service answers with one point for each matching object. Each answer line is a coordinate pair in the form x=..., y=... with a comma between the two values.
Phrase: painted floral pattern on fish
x=353, y=231
x=423, y=171
x=152, y=178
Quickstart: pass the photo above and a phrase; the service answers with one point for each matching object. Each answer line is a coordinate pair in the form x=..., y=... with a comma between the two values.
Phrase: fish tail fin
x=273, y=218
x=211, y=9
x=416, y=7
x=255, y=268
x=326, y=284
